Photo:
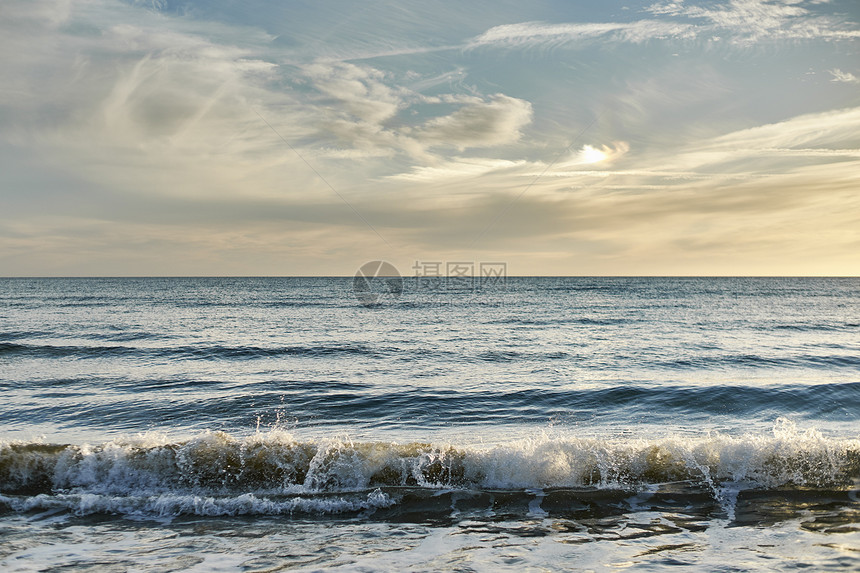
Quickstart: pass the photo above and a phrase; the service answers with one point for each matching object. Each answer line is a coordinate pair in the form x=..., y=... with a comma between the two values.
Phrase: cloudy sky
x=214, y=137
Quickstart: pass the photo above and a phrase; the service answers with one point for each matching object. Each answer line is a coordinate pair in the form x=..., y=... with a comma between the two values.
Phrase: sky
x=283, y=138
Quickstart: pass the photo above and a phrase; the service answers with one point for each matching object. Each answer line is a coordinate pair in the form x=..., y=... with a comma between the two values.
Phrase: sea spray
x=215, y=469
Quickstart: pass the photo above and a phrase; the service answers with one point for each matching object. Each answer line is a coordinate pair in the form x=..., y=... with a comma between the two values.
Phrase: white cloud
x=131, y=85
x=479, y=124
x=364, y=109
x=456, y=168
x=843, y=77
x=823, y=145
x=589, y=154
x=137, y=104
x=823, y=130
x=360, y=91
x=748, y=21
x=826, y=139
x=141, y=103
x=36, y=13
x=528, y=34
x=356, y=106
x=741, y=21
x=144, y=125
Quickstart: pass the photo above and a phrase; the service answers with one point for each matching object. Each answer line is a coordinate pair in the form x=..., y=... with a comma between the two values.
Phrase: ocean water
x=268, y=424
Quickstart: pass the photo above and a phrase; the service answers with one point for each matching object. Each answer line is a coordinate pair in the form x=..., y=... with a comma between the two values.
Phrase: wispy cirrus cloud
x=749, y=21
x=739, y=21
x=825, y=130
x=131, y=135
x=179, y=110
x=826, y=145
x=530, y=34
x=153, y=103
x=457, y=168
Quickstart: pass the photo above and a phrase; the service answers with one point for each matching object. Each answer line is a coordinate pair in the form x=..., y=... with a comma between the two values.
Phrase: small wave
x=11, y=348
x=201, y=352
x=818, y=361
x=78, y=301
x=58, y=351
x=249, y=352
x=127, y=336
x=339, y=402
x=802, y=327
x=517, y=356
x=151, y=473
x=18, y=334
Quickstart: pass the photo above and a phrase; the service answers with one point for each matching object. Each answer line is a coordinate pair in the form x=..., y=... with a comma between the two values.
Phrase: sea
x=374, y=423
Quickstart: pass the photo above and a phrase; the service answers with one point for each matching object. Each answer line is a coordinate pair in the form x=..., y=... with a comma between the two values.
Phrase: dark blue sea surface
x=576, y=409
x=84, y=358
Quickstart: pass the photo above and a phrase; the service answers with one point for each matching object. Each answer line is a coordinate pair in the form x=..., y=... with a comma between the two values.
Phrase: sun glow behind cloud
x=717, y=138
x=589, y=154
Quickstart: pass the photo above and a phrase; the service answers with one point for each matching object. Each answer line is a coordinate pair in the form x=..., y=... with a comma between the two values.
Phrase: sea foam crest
x=215, y=473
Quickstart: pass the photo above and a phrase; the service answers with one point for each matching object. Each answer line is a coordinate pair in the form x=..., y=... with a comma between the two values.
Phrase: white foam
x=218, y=474
x=172, y=505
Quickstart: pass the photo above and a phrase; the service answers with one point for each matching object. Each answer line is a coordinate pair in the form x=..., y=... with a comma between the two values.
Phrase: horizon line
x=428, y=276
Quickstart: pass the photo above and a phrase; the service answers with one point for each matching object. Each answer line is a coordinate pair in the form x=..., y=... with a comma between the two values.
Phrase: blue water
x=538, y=405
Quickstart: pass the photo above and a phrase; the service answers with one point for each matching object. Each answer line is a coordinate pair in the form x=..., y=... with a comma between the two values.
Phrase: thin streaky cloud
x=529, y=34
x=392, y=53
x=830, y=128
x=741, y=21
x=457, y=168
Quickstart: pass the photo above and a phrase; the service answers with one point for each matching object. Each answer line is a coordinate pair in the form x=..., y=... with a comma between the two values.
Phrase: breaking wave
x=274, y=473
